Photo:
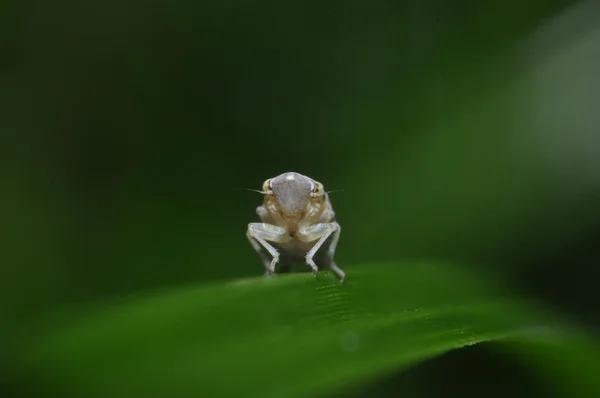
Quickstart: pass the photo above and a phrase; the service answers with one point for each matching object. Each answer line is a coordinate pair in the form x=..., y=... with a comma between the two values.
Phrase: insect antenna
x=250, y=189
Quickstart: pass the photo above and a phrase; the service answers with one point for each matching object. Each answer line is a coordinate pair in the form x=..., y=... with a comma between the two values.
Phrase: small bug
x=297, y=221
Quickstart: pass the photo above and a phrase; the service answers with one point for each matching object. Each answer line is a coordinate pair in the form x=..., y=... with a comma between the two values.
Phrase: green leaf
x=291, y=335
x=570, y=360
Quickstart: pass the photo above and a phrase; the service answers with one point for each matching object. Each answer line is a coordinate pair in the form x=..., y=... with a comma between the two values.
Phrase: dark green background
x=128, y=127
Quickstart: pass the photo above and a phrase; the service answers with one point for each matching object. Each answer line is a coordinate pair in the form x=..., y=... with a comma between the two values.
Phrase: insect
x=297, y=221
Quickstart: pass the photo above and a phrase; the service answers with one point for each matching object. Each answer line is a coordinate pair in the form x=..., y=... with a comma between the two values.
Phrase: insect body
x=297, y=221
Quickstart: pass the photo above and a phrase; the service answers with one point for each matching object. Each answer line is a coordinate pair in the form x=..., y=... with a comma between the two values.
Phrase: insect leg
x=337, y=270
x=321, y=232
x=331, y=251
x=258, y=234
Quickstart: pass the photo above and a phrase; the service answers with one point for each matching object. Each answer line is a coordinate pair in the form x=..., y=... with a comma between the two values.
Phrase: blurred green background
x=461, y=130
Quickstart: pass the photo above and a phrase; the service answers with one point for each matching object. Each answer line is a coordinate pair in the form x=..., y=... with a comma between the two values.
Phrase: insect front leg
x=331, y=264
x=259, y=234
x=322, y=232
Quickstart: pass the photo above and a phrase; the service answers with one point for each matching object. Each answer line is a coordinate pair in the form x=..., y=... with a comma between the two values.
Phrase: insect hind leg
x=326, y=262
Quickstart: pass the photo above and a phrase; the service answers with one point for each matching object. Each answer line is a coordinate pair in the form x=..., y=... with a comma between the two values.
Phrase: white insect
x=297, y=221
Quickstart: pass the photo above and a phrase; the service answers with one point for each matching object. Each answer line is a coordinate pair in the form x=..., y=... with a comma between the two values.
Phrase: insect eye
x=317, y=188
x=267, y=186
